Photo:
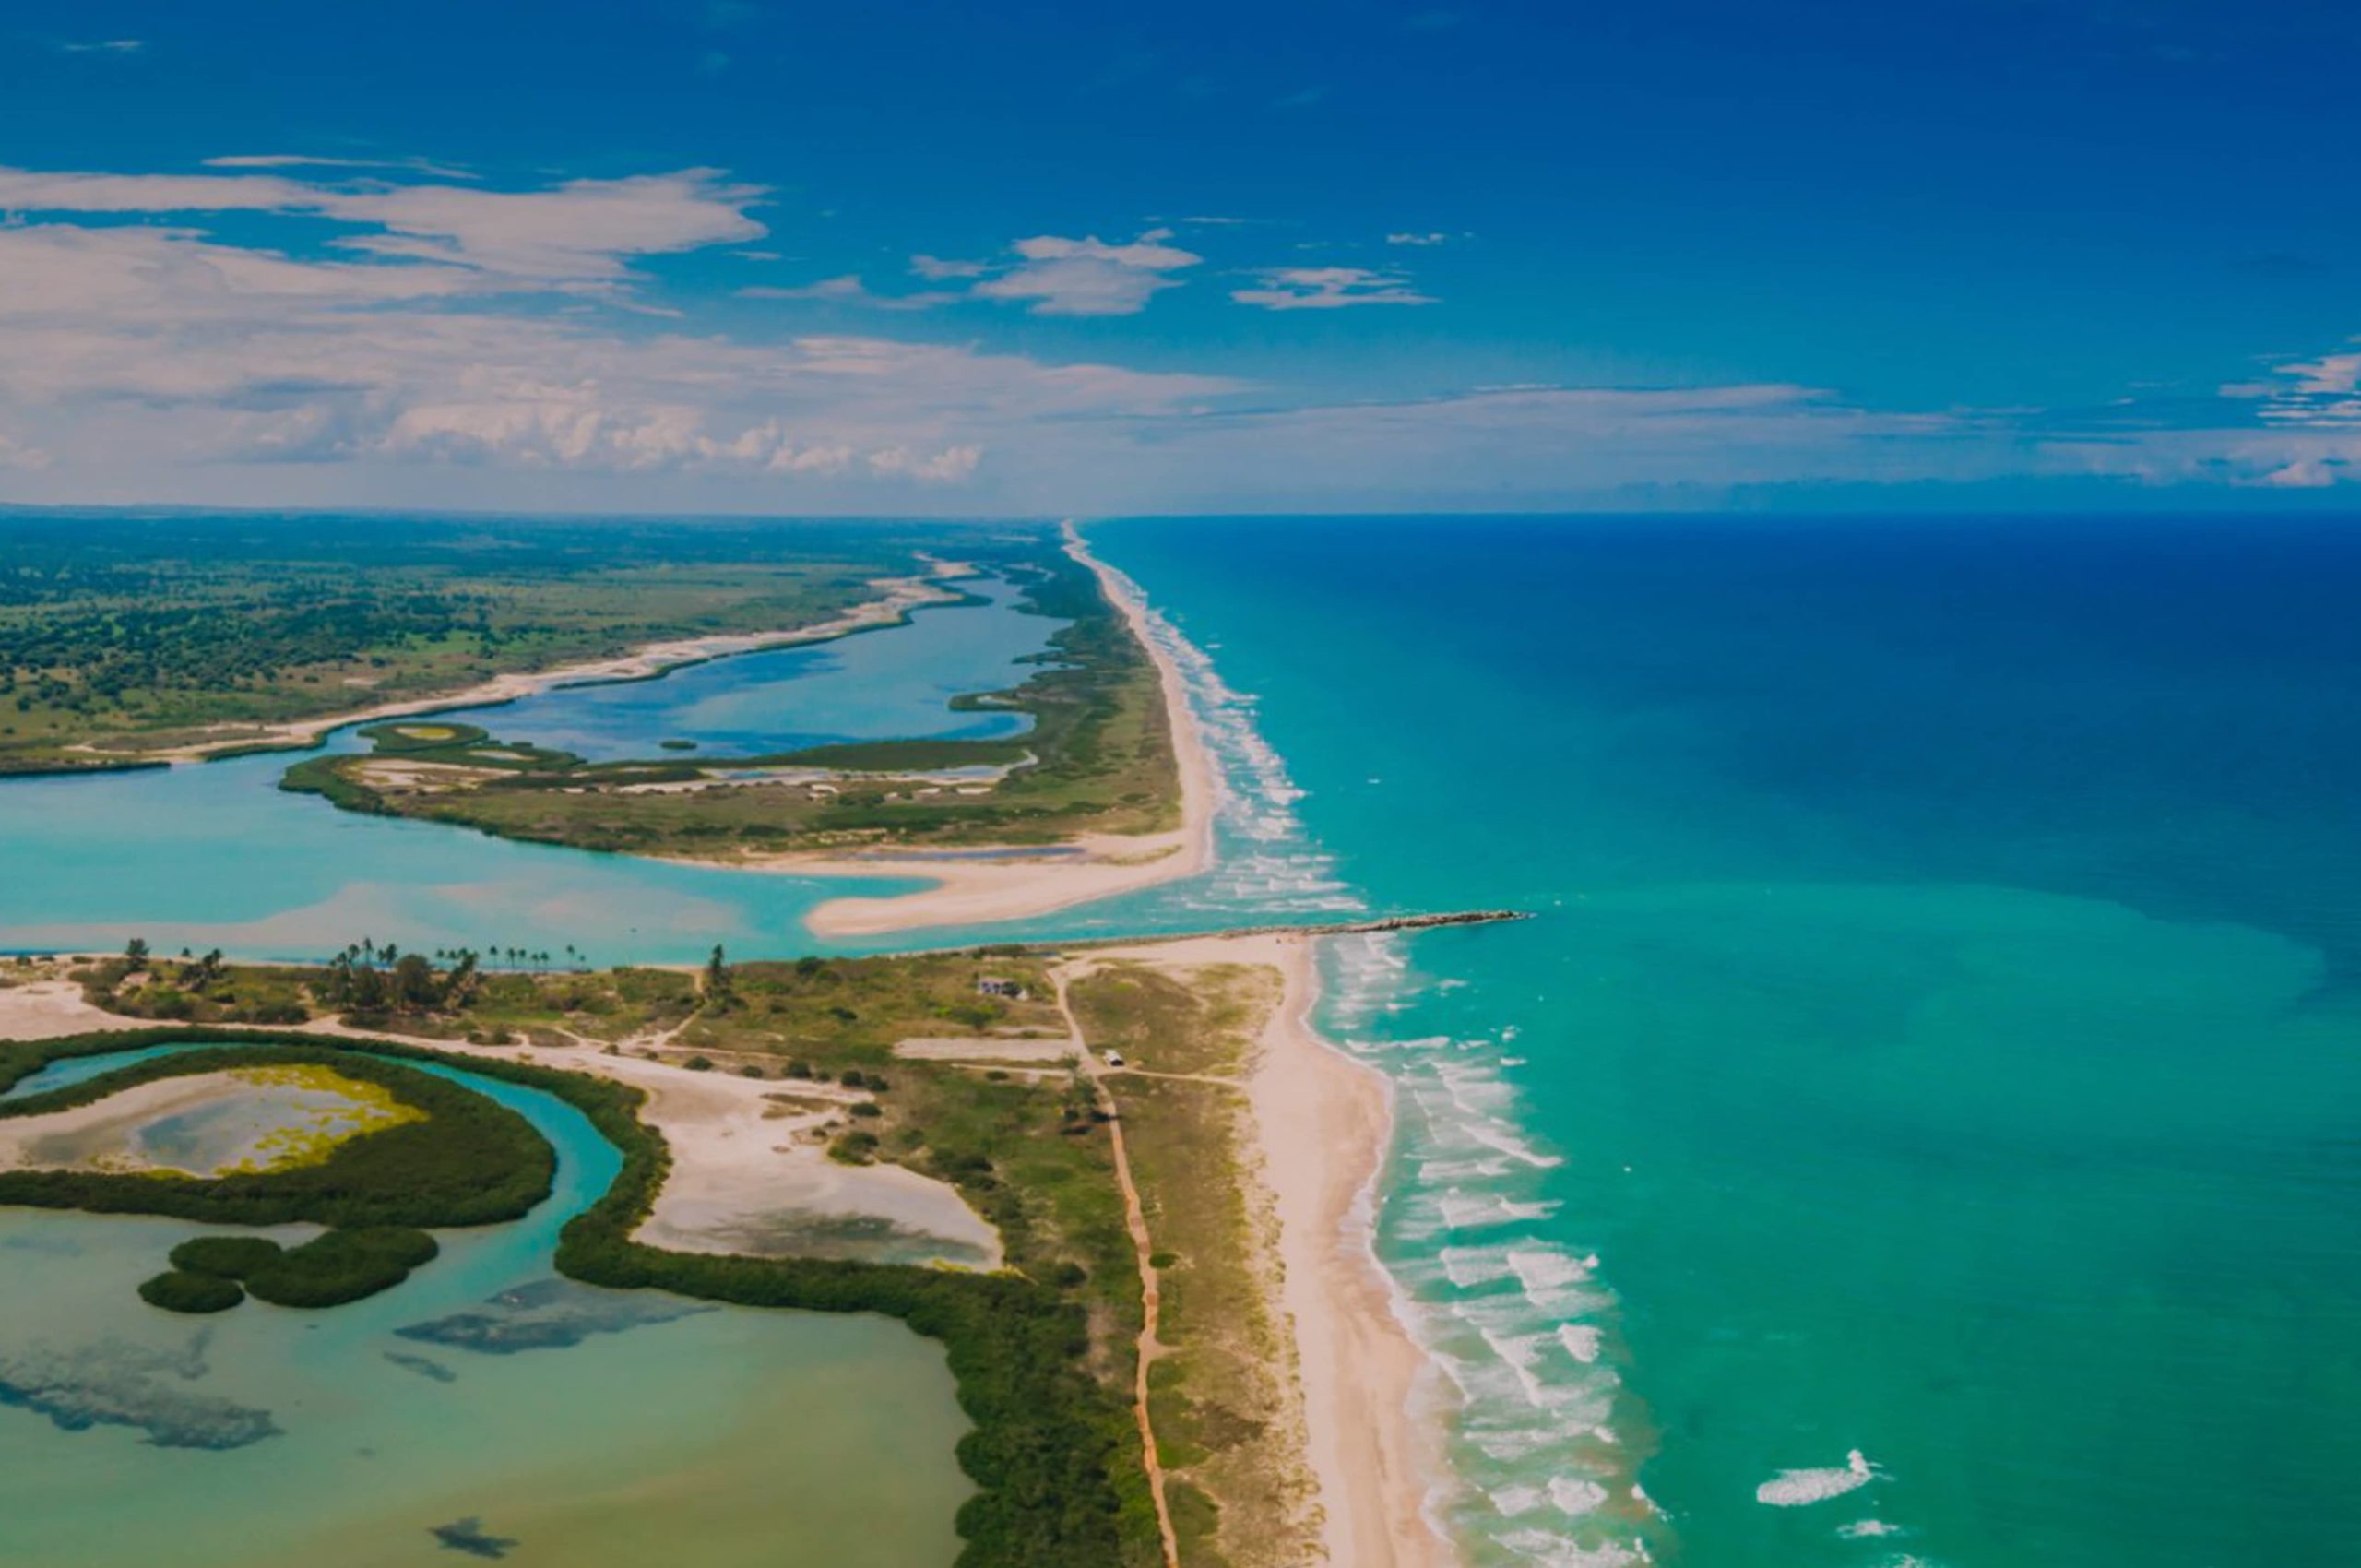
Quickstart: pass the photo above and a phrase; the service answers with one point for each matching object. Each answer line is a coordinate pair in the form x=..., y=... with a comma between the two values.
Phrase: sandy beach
x=1323, y=1125
x=970, y=891
x=899, y=596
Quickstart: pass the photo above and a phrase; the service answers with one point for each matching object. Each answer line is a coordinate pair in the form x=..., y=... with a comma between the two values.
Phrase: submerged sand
x=204, y=1124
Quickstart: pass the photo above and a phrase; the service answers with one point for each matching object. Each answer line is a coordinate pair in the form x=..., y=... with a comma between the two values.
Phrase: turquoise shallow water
x=640, y=1429
x=1937, y=1040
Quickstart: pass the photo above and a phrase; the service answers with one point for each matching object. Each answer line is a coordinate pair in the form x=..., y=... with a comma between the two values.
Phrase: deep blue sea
x=1923, y=1124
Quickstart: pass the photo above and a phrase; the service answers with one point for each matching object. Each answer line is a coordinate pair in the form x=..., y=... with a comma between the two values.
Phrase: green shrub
x=343, y=1265
x=231, y=1257
x=180, y=1292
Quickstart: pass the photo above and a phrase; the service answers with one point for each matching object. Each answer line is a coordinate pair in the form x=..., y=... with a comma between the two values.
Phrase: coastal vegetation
x=123, y=635
x=845, y=1013
x=326, y=1271
x=1097, y=758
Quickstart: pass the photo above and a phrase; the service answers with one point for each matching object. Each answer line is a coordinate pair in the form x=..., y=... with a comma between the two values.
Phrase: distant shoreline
x=647, y=662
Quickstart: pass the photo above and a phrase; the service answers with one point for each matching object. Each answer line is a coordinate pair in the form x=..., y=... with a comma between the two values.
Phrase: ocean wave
x=1868, y=1529
x=1798, y=1489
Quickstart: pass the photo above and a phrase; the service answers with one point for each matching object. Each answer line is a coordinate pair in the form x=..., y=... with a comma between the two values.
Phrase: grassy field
x=1221, y=1397
x=122, y=634
x=1098, y=759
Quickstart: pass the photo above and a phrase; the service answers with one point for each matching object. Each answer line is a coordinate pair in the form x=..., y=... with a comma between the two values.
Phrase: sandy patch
x=50, y=1010
x=970, y=1049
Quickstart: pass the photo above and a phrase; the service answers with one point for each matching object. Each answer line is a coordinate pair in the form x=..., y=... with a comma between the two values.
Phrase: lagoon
x=215, y=855
x=641, y=1427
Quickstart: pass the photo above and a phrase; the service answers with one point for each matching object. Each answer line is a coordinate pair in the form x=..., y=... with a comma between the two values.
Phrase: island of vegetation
x=212, y=1274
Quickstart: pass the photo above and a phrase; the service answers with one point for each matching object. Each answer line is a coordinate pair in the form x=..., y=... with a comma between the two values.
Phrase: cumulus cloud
x=2330, y=373
x=124, y=346
x=1427, y=239
x=1329, y=287
x=580, y=232
x=102, y=46
x=411, y=356
x=1089, y=277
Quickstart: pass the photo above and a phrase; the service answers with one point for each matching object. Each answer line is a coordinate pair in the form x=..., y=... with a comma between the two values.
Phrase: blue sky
x=757, y=256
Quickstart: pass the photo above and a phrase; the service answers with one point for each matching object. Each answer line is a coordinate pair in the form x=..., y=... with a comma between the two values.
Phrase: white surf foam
x=1799, y=1489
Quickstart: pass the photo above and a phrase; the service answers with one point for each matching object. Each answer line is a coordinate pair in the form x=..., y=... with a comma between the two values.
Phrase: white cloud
x=2328, y=373
x=580, y=232
x=2311, y=473
x=937, y=267
x=1428, y=239
x=417, y=362
x=1089, y=277
x=103, y=46
x=1329, y=287
x=950, y=466
x=161, y=355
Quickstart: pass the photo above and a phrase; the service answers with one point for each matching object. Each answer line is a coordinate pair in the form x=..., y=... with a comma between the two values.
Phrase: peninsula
x=1147, y=1135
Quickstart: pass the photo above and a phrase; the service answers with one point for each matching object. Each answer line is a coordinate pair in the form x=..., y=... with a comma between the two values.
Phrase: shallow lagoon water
x=217, y=855
x=670, y=1431
x=896, y=684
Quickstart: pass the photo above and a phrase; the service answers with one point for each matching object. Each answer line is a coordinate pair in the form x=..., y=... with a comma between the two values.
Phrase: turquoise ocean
x=1920, y=1125
x=1923, y=1123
